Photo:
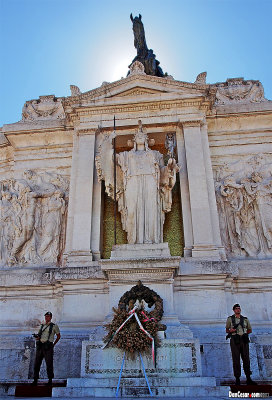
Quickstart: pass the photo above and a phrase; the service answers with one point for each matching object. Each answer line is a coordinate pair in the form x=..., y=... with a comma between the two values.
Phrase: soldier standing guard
x=45, y=348
x=238, y=327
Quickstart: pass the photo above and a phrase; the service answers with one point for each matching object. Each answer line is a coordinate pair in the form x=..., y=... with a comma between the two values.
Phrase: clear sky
x=46, y=45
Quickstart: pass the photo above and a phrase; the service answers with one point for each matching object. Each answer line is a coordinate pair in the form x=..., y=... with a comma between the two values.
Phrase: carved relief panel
x=244, y=200
x=33, y=219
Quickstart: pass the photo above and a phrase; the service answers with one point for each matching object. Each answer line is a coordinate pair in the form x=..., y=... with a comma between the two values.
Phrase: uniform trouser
x=44, y=351
x=237, y=350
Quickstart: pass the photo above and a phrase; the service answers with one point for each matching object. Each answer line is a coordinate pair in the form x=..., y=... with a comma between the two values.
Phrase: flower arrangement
x=132, y=328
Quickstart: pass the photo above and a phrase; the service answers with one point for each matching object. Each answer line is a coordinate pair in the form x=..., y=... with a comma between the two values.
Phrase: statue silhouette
x=144, y=55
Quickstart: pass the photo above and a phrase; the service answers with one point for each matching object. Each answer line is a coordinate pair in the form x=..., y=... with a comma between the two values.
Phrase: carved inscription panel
x=174, y=358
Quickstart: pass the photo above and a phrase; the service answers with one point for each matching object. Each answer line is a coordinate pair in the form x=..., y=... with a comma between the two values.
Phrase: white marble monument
x=203, y=243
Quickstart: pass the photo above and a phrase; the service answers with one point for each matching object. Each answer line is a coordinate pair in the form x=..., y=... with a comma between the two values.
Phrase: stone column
x=78, y=248
x=184, y=193
x=72, y=192
x=203, y=239
x=96, y=218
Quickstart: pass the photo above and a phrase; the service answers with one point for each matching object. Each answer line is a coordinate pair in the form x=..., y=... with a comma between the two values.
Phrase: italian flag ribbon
x=131, y=314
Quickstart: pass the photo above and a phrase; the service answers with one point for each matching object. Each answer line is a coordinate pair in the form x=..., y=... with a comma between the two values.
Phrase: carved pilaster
x=184, y=193
x=78, y=246
x=204, y=244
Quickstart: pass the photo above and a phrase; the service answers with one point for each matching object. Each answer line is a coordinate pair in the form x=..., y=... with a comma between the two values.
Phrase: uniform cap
x=48, y=313
x=236, y=305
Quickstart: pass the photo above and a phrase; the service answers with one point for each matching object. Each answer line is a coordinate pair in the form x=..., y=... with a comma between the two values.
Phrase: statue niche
x=144, y=186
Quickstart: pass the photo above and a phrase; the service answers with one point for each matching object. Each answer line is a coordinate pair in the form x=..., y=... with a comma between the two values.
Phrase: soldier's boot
x=35, y=382
x=237, y=382
x=49, y=383
x=249, y=381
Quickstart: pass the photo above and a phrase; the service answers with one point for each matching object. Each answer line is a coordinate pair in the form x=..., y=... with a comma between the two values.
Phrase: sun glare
x=120, y=69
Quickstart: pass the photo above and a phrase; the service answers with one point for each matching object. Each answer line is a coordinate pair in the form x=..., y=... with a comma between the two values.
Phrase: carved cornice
x=152, y=262
x=142, y=107
x=71, y=273
x=73, y=100
x=148, y=269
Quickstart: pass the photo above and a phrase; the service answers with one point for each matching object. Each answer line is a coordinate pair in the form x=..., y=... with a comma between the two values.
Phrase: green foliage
x=173, y=225
x=108, y=227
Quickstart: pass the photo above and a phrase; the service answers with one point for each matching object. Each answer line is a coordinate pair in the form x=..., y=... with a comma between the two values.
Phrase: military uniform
x=45, y=349
x=239, y=344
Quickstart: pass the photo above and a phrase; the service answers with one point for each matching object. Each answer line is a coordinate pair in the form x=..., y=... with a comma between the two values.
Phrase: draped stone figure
x=51, y=226
x=244, y=200
x=144, y=186
x=6, y=215
x=32, y=217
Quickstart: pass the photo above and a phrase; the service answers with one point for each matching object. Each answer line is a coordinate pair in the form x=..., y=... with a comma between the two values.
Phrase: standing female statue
x=144, y=187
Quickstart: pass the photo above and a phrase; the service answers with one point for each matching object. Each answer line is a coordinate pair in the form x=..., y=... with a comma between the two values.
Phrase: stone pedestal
x=155, y=272
x=175, y=358
x=140, y=251
x=177, y=373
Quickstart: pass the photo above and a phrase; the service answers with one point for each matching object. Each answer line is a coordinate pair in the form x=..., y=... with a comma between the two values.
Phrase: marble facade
x=52, y=222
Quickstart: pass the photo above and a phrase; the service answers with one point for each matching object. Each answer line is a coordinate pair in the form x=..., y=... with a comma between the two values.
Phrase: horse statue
x=144, y=55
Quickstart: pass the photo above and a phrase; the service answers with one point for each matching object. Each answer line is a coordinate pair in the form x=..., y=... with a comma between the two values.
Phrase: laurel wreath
x=131, y=338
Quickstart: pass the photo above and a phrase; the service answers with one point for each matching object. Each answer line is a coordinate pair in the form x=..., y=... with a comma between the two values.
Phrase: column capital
x=80, y=131
x=192, y=123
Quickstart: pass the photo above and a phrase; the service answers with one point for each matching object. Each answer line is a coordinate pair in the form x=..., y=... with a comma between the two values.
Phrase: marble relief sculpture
x=32, y=213
x=237, y=90
x=244, y=200
x=144, y=186
x=45, y=108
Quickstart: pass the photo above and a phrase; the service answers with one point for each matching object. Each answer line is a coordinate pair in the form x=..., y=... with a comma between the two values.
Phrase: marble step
x=126, y=392
x=139, y=382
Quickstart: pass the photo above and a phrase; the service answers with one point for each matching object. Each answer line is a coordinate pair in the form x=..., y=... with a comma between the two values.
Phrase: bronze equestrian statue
x=144, y=55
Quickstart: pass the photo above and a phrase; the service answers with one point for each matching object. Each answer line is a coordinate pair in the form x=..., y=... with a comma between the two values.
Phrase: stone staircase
x=137, y=387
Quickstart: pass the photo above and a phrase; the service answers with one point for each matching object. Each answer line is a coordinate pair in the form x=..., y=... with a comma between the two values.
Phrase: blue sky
x=46, y=45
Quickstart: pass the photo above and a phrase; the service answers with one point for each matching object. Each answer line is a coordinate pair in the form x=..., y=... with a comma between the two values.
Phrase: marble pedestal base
x=139, y=251
x=175, y=358
x=178, y=373
x=78, y=258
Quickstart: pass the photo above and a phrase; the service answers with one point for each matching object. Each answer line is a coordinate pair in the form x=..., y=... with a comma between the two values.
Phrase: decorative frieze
x=150, y=269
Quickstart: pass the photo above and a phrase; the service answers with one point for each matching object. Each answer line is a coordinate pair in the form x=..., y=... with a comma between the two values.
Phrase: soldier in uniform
x=238, y=327
x=45, y=348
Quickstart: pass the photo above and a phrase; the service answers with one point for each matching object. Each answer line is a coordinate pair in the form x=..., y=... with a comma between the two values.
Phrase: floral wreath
x=132, y=328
